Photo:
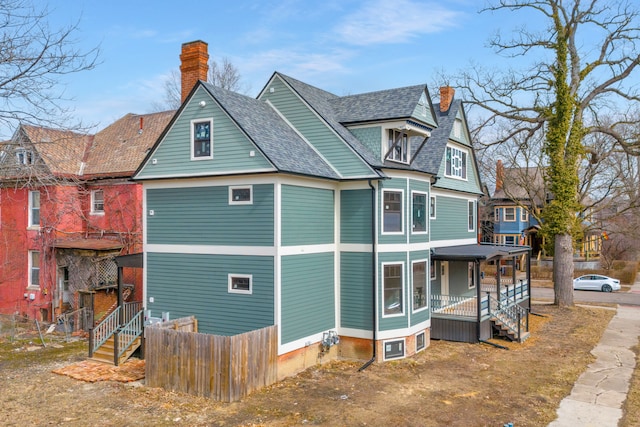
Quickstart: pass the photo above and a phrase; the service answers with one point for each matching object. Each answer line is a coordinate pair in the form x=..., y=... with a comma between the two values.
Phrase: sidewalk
x=598, y=395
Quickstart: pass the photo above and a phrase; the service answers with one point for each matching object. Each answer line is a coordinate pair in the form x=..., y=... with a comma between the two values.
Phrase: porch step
x=506, y=328
x=105, y=354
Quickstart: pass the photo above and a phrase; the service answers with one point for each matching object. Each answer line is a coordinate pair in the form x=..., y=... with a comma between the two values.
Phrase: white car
x=595, y=282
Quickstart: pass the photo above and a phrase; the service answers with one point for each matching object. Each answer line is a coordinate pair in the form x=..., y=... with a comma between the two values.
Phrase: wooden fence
x=224, y=368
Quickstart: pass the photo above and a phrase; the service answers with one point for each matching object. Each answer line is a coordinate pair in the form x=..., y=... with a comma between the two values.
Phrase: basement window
x=393, y=349
x=421, y=341
x=240, y=283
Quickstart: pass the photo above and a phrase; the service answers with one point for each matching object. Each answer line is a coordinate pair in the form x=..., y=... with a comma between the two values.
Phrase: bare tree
x=33, y=57
x=224, y=75
x=563, y=94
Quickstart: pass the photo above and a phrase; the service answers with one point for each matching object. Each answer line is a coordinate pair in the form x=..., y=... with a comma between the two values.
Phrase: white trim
x=402, y=211
x=402, y=289
x=453, y=242
x=441, y=192
x=277, y=261
x=30, y=224
x=241, y=187
x=355, y=247
x=409, y=174
x=464, y=167
x=403, y=247
x=206, y=174
x=524, y=214
x=426, y=212
x=295, y=129
x=211, y=249
x=192, y=124
x=232, y=276
x=404, y=348
x=396, y=333
x=337, y=255
x=307, y=249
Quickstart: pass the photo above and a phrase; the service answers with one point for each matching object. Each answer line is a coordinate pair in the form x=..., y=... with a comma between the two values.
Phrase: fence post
x=91, y=339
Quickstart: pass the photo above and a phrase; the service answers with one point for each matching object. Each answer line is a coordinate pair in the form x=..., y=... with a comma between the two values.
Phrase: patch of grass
x=22, y=352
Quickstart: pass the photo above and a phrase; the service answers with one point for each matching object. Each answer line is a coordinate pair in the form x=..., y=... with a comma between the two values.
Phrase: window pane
x=432, y=207
x=35, y=269
x=392, y=211
x=472, y=216
x=202, y=139
x=393, y=289
x=419, y=285
x=419, y=212
x=241, y=194
x=240, y=283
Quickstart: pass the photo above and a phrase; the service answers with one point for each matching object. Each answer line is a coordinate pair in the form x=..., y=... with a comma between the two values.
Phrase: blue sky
x=343, y=46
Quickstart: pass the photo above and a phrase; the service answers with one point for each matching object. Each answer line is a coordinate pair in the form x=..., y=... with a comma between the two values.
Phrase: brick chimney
x=499, y=175
x=194, y=65
x=446, y=96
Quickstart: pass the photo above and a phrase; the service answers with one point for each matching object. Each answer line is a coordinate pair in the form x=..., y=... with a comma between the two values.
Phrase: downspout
x=374, y=286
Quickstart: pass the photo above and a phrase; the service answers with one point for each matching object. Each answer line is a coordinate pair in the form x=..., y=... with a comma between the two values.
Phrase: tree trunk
x=563, y=270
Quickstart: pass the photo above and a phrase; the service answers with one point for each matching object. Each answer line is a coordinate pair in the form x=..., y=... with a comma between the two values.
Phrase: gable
x=424, y=111
x=316, y=132
x=232, y=151
x=459, y=130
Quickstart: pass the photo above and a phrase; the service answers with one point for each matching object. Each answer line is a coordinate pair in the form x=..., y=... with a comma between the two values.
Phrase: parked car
x=595, y=282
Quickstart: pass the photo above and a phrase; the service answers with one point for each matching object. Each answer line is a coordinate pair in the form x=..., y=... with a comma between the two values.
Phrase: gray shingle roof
x=381, y=105
x=282, y=146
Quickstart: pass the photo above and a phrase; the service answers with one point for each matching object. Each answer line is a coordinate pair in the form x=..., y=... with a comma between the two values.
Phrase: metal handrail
x=129, y=332
x=103, y=331
x=514, y=317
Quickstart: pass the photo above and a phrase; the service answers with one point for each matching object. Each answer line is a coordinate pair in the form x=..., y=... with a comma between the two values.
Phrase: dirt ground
x=450, y=384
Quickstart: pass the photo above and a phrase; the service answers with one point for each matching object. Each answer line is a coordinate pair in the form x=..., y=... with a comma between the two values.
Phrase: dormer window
x=398, y=146
x=201, y=139
x=24, y=157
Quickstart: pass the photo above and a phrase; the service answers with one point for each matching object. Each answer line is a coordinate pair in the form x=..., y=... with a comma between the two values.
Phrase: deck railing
x=456, y=305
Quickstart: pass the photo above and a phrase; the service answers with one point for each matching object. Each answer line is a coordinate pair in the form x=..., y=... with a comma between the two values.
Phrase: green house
x=329, y=216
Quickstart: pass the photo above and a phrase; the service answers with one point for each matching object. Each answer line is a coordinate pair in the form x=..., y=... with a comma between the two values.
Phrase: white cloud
x=386, y=22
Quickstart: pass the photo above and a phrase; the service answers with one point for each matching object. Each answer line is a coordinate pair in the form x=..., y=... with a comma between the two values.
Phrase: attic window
x=24, y=157
x=201, y=139
x=398, y=146
x=456, y=163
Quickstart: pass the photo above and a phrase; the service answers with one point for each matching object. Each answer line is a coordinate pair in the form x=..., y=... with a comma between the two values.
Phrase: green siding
x=307, y=216
x=202, y=215
x=230, y=146
x=459, y=279
x=356, y=282
x=424, y=114
x=371, y=137
x=323, y=139
x=355, y=216
x=398, y=322
x=308, y=295
x=452, y=220
x=394, y=184
x=197, y=285
x=464, y=137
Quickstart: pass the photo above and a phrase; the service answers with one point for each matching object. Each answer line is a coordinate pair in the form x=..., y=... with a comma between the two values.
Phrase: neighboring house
x=321, y=214
x=67, y=208
x=518, y=202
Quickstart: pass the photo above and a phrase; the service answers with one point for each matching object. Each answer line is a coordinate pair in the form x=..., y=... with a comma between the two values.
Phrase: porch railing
x=101, y=333
x=456, y=305
x=514, y=317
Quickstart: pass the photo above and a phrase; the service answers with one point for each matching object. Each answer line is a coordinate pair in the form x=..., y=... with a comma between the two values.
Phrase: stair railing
x=514, y=317
x=99, y=334
x=126, y=335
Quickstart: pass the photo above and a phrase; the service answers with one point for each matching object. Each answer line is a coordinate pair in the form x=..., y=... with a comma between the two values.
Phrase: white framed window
x=398, y=146
x=201, y=139
x=240, y=283
x=393, y=349
x=421, y=341
x=392, y=214
x=524, y=215
x=241, y=195
x=432, y=207
x=24, y=157
x=393, y=289
x=97, y=202
x=34, y=209
x=509, y=214
x=509, y=240
x=496, y=215
x=419, y=285
x=419, y=212
x=472, y=275
x=456, y=163
x=471, y=210
x=34, y=270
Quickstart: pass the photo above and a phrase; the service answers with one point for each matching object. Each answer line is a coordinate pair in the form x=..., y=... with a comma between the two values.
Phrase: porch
x=498, y=305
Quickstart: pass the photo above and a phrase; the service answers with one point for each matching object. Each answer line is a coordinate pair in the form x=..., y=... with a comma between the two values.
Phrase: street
x=619, y=297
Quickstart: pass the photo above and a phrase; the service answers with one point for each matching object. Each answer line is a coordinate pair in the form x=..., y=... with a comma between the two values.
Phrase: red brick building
x=67, y=208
